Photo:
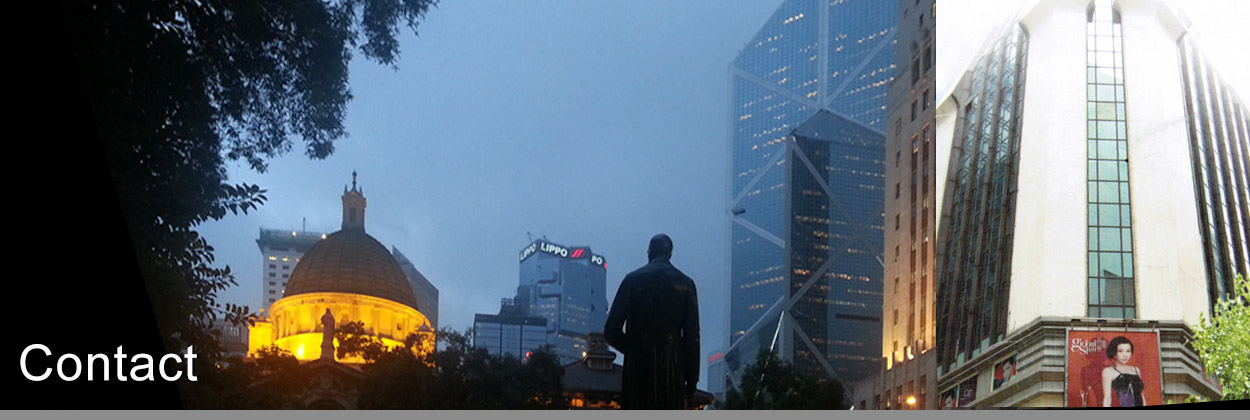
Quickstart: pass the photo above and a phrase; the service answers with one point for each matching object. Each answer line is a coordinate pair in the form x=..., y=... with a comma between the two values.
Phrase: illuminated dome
x=351, y=261
x=357, y=279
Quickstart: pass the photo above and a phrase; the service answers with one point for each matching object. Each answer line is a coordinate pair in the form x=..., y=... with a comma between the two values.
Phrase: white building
x=1095, y=181
x=280, y=250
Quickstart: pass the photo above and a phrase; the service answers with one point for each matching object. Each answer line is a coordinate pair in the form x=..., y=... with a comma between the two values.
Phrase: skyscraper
x=1101, y=215
x=280, y=250
x=806, y=147
x=427, y=294
x=908, y=333
x=565, y=286
x=510, y=332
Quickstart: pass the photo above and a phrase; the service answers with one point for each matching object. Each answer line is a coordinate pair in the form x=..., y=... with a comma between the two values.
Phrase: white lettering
x=554, y=249
x=529, y=250
x=190, y=366
x=165, y=376
x=121, y=375
x=69, y=366
x=25, y=372
x=145, y=366
x=597, y=260
x=60, y=364
x=91, y=370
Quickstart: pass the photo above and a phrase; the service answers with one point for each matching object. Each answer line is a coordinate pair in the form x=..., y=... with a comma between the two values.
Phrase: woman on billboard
x=1121, y=379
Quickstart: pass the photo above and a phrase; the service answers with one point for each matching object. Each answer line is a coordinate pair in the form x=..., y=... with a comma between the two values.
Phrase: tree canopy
x=772, y=384
x=179, y=87
x=455, y=376
x=1223, y=340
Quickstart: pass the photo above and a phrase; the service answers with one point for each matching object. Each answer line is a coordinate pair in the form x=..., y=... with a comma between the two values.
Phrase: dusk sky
x=595, y=124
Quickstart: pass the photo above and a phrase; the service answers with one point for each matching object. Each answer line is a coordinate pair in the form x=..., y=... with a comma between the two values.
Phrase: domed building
x=353, y=276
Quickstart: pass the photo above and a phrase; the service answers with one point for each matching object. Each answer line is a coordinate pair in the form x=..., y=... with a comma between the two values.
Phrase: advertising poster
x=1113, y=369
x=968, y=392
x=948, y=398
x=1004, y=371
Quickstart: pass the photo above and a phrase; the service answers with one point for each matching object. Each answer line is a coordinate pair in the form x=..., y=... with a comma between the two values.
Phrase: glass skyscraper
x=807, y=110
x=566, y=286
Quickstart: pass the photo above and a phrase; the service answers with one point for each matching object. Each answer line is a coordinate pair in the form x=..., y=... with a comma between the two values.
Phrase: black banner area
x=72, y=281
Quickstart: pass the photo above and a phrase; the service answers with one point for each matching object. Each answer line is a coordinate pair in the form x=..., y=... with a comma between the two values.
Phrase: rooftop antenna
x=304, y=224
x=527, y=234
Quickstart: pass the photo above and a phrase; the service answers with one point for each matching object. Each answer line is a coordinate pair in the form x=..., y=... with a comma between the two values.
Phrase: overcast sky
x=593, y=123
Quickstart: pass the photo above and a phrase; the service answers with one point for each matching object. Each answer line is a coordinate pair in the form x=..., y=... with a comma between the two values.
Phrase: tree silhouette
x=772, y=384
x=178, y=87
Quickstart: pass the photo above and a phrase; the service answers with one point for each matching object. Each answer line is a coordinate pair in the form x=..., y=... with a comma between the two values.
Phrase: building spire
x=353, y=207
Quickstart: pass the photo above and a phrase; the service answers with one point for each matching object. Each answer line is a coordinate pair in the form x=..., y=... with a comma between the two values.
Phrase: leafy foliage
x=467, y=377
x=772, y=384
x=457, y=376
x=178, y=87
x=1223, y=340
x=228, y=384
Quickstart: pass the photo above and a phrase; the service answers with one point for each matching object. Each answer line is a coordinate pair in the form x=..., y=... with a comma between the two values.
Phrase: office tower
x=510, y=332
x=908, y=375
x=805, y=207
x=1096, y=193
x=565, y=286
x=427, y=294
x=280, y=250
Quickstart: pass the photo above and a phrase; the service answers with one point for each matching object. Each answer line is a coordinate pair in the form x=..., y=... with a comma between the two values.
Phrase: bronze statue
x=327, y=335
x=658, y=307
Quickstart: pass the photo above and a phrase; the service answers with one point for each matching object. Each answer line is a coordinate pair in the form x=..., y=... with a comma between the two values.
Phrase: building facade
x=805, y=208
x=1105, y=207
x=510, y=332
x=280, y=250
x=566, y=286
x=426, y=293
x=908, y=369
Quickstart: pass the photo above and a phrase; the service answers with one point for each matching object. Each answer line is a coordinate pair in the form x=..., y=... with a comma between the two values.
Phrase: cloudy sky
x=592, y=123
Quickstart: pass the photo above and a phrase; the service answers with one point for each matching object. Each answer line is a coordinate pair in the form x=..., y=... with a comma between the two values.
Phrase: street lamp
x=911, y=402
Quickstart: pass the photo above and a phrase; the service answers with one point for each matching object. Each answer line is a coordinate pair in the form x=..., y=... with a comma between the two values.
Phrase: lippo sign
x=562, y=252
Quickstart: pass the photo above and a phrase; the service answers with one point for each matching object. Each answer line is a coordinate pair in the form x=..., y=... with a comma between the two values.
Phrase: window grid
x=1110, y=273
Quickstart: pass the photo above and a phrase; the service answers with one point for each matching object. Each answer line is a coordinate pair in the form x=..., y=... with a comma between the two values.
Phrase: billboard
x=968, y=392
x=1113, y=369
x=960, y=396
x=1004, y=371
x=948, y=398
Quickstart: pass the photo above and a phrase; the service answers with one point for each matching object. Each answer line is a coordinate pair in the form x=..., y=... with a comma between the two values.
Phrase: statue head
x=661, y=247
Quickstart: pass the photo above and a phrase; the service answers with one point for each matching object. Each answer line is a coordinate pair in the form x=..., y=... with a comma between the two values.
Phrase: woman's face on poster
x=1123, y=353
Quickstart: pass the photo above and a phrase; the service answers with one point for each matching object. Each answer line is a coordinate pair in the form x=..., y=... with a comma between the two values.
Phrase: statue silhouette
x=658, y=307
x=327, y=335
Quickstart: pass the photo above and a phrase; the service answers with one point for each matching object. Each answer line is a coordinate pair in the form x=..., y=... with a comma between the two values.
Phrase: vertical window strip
x=976, y=263
x=1110, y=258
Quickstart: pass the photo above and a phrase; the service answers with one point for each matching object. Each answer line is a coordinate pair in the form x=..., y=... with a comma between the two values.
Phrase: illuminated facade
x=353, y=275
x=805, y=206
x=1114, y=202
x=280, y=250
x=565, y=286
x=908, y=333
